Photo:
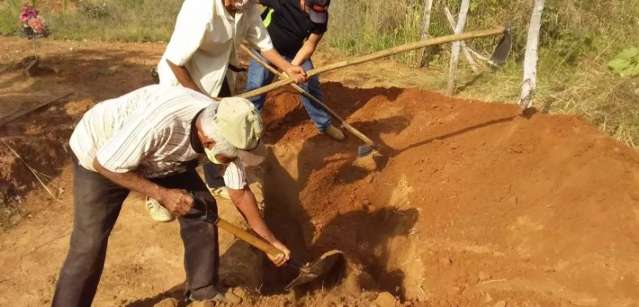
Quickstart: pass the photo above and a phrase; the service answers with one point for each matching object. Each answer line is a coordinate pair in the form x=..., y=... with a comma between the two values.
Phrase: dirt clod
x=167, y=302
x=385, y=299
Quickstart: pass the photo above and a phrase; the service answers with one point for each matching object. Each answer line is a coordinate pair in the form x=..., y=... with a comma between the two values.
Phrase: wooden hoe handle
x=380, y=54
x=248, y=237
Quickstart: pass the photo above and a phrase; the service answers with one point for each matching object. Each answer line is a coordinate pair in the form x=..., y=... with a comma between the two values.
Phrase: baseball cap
x=239, y=123
x=318, y=10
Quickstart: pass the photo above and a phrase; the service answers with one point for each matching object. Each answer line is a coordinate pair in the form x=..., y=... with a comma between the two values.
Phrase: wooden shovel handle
x=248, y=237
x=380, y=54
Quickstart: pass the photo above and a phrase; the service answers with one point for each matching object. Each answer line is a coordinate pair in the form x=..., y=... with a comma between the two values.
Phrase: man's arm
x=294, y=71
x=307, y=50
x=177, y=201
x=245, y=201
x=184, y=77
x=257, y=36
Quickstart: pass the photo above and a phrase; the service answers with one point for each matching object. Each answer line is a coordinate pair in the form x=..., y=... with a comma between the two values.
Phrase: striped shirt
x=147, y=131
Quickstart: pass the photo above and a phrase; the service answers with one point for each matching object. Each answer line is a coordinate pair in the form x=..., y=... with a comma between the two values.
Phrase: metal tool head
x=502, y=51
x=328, y=265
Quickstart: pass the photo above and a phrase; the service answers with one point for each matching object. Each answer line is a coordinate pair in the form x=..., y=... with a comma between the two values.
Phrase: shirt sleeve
x=235, y=176
x=128, y=147
x=319, y=28
x=189, y=31
x=257, y=35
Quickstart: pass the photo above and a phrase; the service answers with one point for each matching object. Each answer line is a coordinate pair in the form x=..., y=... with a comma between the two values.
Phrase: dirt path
x=474, y=206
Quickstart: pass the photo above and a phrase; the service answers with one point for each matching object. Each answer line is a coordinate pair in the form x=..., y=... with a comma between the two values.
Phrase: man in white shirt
x=206, y=36
x=201, y=52
x=150, y=141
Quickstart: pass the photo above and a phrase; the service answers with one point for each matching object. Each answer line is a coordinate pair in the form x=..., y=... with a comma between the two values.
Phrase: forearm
x=303, y=54
x=307, y=50
x=131, y=181
x=276, y=59
x=183, y=76
x=245, y=202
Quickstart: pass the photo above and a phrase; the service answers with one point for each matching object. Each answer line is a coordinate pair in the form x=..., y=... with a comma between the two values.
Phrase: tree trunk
x=469, y=57
x=454, y=58
x=530, y=60
x=428, y=5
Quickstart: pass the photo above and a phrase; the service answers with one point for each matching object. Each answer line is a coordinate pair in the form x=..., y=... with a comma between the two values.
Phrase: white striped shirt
x=147, y=131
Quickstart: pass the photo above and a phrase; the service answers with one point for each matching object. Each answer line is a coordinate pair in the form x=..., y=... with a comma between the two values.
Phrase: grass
x=114, y=20
x=578, y=38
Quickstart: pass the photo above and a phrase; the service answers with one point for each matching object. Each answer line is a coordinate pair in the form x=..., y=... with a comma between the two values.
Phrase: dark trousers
x=97, y=204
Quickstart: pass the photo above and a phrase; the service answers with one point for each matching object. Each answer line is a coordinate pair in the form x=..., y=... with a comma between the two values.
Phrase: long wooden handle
x=248, y=237
x=380, y=54
x=308, y=95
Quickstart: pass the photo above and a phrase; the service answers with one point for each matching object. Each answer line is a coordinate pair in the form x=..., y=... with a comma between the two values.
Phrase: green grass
x=114, y=20
x=579, y=38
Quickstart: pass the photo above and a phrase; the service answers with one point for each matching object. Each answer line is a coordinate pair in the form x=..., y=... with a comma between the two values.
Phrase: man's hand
x=281, y=258
x=296, y=72
x=178, y=202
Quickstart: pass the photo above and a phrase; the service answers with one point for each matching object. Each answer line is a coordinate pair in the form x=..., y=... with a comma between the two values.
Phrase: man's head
x=236, y=5
x=232, y=126
x=317, y=10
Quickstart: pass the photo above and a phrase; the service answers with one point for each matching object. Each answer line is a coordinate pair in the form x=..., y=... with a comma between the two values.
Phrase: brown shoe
x=334, y=133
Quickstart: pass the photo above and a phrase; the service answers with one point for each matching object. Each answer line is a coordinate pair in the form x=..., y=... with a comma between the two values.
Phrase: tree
x=428, y=6
x=531, y=57
x=454, y=58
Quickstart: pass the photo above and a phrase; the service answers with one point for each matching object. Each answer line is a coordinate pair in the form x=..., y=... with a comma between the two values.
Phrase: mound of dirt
x=475, y=204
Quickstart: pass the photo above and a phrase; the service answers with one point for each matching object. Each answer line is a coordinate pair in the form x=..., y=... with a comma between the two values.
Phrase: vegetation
x=587, y=60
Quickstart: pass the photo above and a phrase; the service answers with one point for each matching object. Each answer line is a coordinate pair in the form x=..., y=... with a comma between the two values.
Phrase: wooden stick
x=454, y=59
x=379, y=55
x=248, y=237
x=31, y=169
x=21, y=113
x=469, y=58
x=306, y=94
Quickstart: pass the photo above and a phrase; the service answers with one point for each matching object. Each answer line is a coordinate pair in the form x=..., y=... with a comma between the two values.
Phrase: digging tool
x=499, y=57
x=306, y=272
x=361, y=150
x=327, y=264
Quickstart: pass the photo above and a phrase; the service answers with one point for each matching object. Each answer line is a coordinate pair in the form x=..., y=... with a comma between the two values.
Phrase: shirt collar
x=195, y=140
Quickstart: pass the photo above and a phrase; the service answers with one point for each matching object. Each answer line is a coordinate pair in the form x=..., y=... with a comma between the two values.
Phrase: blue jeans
x=259, y=76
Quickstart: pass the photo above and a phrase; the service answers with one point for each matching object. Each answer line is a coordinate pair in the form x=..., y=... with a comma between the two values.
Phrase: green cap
x=239, y=122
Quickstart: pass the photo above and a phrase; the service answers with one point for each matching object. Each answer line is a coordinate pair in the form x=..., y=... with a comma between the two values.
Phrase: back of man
x=135, y=126
x=289, y=25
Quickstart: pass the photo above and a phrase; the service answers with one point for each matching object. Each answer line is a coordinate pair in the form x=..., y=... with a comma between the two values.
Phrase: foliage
x=626, y=63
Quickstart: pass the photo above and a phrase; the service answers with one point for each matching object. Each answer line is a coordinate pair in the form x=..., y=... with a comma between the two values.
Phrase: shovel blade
x=320, y=268
x=502, y=51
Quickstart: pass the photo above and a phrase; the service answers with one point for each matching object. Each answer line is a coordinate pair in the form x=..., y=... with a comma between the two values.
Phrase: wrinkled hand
x=178, y=202
x=281, y=258
x=297, y=73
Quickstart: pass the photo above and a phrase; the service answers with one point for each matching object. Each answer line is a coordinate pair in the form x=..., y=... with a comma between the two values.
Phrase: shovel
x=326, y=265
x=362, y=150
x=308, y=272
